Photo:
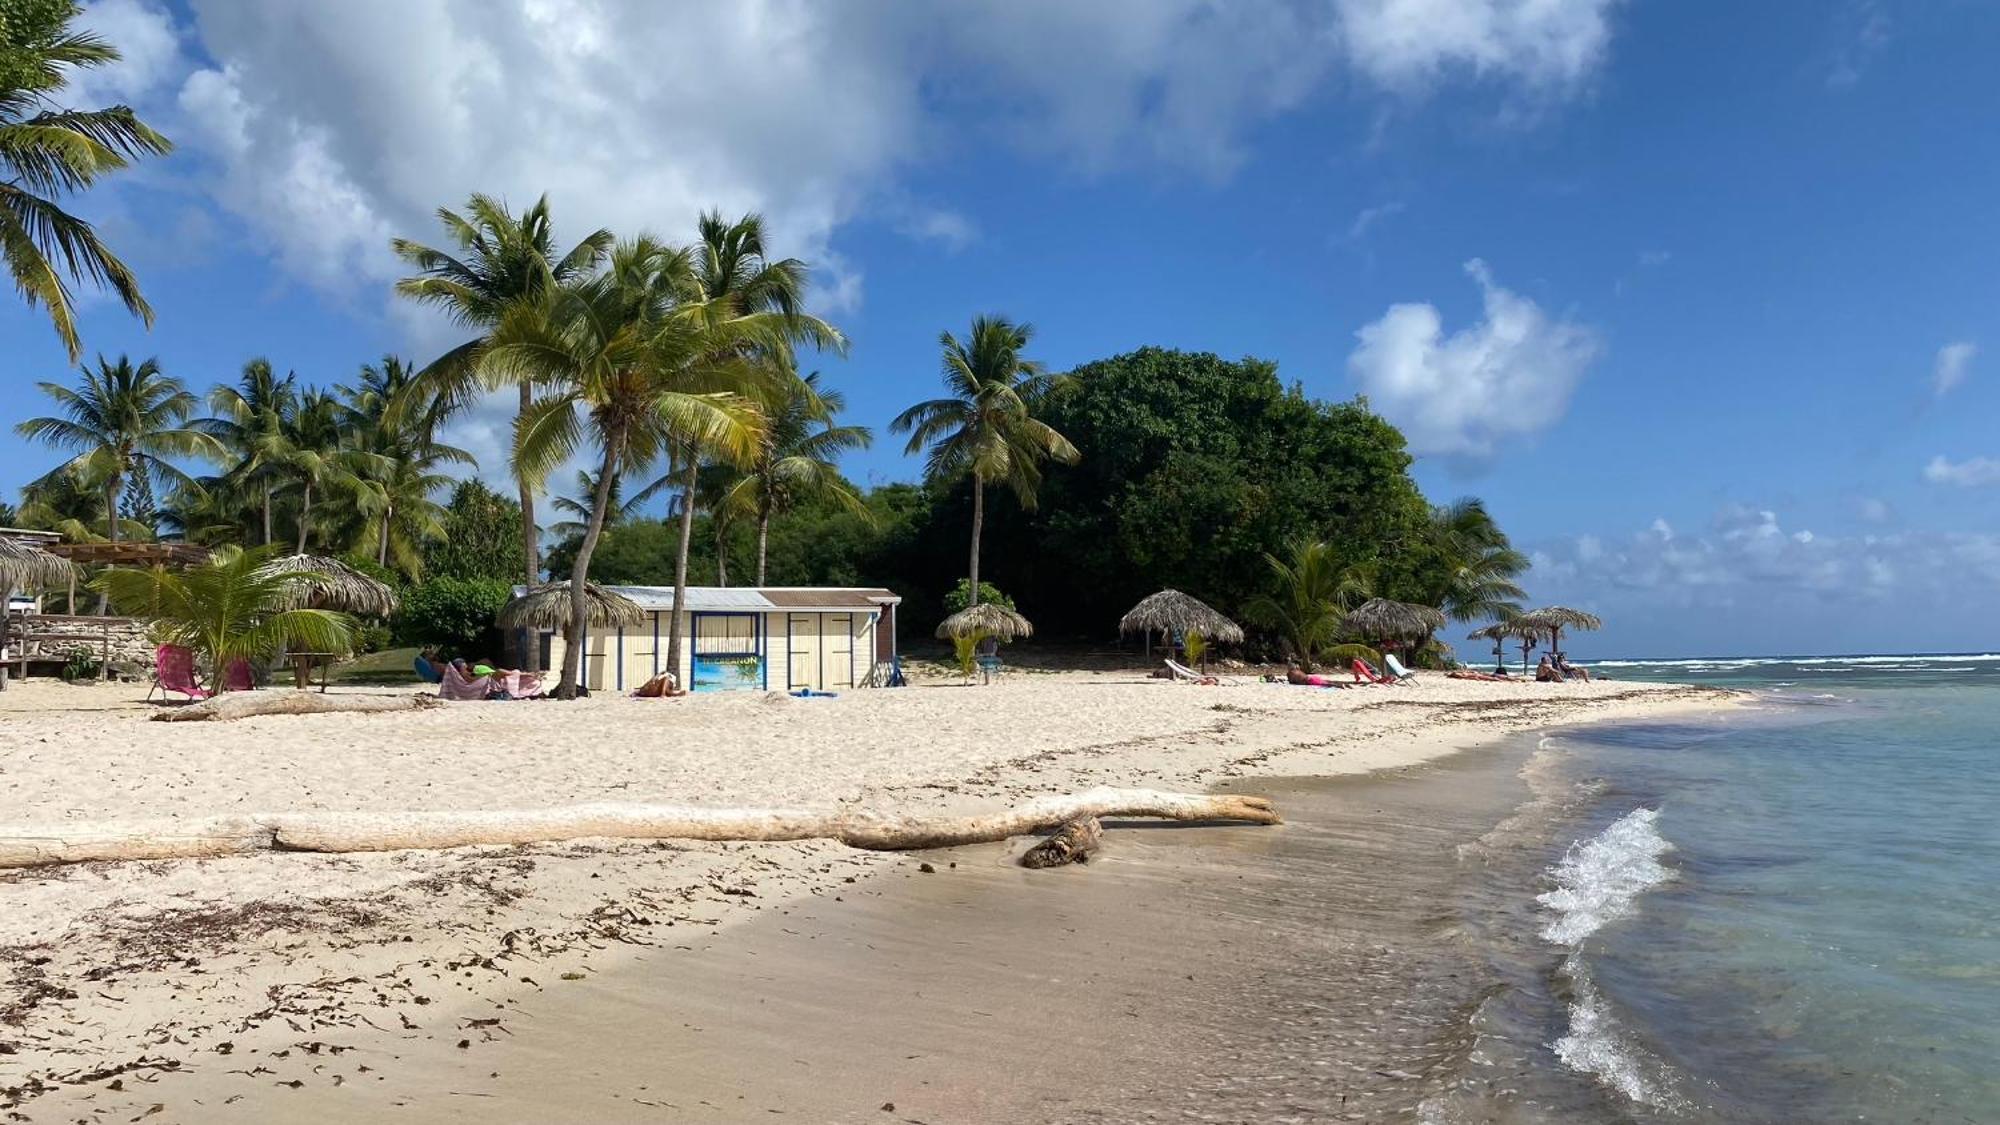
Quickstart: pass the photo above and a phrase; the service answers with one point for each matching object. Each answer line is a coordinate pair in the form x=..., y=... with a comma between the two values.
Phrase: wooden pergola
x=130, y=553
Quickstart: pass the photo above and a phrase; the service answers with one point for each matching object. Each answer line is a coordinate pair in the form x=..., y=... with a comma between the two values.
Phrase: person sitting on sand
x=1365, y=673
x=1571, y=671
x=1546, y=672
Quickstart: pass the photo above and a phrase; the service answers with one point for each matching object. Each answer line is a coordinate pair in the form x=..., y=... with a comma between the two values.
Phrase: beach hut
x=769, y=638
x=24, y=565
x=1384, y=621
x=1175, y=616
x=1554, y=619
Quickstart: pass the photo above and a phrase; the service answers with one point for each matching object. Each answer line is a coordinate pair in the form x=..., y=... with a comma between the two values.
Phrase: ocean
x=1787, y=914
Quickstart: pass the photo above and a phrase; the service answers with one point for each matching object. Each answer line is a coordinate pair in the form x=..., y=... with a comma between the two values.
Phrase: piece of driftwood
x=1071, y=842
x=35, y=845
x=234, y=705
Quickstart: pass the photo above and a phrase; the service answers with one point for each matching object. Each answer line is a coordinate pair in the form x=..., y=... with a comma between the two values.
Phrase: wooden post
x=104, y=664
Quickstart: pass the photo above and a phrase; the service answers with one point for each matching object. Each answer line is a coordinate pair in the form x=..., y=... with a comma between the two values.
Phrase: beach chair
x=1401, y=674
x=1182, y=674
x=426, y=671
x=454, y=685
x=990, y=666
x=239, y=676
x=173, y=672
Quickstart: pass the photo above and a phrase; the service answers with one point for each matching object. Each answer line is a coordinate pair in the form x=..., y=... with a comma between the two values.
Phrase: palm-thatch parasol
x=23, y=565
x=1382, y=619
x=985, y=620
x=547, y=607
x=1555, y=619
x=334, y=585
x=1501, y=632
x=1174, y=614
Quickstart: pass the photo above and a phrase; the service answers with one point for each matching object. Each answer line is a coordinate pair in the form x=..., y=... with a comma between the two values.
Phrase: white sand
x=102, y=965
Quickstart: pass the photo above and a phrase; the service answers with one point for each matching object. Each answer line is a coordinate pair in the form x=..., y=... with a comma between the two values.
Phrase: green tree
x=499, y=264
x=49, y=151
x=250, y=421
x=1310, y=593
x=480, y=538
x=229, y=608
x=1467, y=566
x=119, y=421
x=795, y=460
x=615, y=351
x=735, y=281
x=986, y=428
x=315, y=457
x=455, y=614
x=391, y=510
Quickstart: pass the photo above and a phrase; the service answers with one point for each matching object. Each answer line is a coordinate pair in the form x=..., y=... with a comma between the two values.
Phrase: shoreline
x=291, y=960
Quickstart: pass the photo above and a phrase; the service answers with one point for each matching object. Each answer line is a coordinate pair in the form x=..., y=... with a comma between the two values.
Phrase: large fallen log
x=36, y=845
x=234, y=705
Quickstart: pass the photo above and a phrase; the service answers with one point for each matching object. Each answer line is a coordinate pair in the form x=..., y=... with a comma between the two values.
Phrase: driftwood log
x=1071, y=842
x=37, y=845
x=234, y=705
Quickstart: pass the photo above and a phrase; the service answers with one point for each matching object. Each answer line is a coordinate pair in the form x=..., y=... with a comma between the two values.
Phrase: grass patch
x=391, y=666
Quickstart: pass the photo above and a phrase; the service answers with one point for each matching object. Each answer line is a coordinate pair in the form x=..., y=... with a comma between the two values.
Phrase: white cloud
x=1973, y=472
x=1950, y=367
x=1873, y=509
x=941, y=225
x=149, y=44
x=1542, y=43
x=1371, y=217
x=1508, y=376
x=1862, y=30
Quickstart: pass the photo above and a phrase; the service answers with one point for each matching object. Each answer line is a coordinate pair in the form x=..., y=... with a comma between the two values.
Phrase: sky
x=1700, y=296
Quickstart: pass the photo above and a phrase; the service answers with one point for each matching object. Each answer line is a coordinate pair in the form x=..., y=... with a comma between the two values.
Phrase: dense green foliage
x=455, y=614
x=480, y=536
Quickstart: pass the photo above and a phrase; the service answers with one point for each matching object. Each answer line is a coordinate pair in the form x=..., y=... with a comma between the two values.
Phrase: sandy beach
x=192, y=985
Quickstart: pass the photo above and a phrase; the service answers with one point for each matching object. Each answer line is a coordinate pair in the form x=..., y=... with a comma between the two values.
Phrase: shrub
x=453, y=613
x=373, y=636
x=961, y=596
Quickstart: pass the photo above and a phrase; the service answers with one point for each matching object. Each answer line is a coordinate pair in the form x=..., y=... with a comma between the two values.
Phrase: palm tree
x=48, y=151
x=1311, y=594
x=314, y=455
x=617, y=508
x=250, y=420
x=392, y=417
x=499, y=262
x=987, y=427
x=795, y=460
x=736, y=281
x=615, y=351
x=1473, y=564
x=232, y=607
x=121, y=421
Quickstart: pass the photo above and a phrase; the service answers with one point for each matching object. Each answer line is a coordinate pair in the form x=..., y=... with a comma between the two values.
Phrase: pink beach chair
x=239, y=676
x=173, y=672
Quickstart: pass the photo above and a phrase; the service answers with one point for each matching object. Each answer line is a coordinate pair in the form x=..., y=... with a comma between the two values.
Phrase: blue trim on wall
x=621, y=659
x=656, y=642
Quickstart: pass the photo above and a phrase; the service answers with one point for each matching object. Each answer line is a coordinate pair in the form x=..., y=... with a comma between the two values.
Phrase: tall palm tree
x=48, y=151
x=250, y=420
x=391, y=416
x=618, y=508
x=1473, y=565
x=986, y=427
x=614, y=352
x=736, y=280
x=315, y=456
x=795, y=461
x=121, y=420
x=499, y=262
x=1310, y=594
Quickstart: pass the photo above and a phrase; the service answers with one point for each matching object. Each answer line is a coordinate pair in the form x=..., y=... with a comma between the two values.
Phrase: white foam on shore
x=1732, y=663
x=1598, y=879
x=1597, y=1046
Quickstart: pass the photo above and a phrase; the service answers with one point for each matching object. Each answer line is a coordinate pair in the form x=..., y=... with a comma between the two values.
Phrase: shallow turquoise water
x=1793, y=915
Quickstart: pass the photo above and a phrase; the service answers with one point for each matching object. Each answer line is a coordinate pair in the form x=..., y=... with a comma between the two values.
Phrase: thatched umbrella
x=547, y=607
x=985, y=620
x=1555, y=619
x=1172, y=613
x=1501, y=632
x=334, y=585
x=1382, y=619
x=23, y=565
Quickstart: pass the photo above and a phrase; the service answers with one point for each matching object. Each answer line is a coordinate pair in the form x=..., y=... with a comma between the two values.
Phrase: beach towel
x=521, y=685
x=454, y=685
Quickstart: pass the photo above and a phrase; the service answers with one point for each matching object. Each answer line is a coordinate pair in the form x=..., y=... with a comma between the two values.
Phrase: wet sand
x=1306, y=973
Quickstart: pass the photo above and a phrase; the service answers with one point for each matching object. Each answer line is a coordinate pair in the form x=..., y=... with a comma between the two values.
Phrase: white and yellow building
x=770, y=638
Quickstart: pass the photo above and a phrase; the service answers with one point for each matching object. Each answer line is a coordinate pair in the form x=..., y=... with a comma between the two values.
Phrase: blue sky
x=1700, y=296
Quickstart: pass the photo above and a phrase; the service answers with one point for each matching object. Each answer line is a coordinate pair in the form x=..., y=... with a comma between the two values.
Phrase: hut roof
x=1380, y=617
x=547, y=607
x=23, y=564
x=1557, y=617
x=1171, y=611
x=986, y=619
x=335, y=585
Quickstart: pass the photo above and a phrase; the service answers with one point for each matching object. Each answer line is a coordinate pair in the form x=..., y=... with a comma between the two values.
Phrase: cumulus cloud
x=1973, y=472
x=1950, y=367
x=1544, y=43
x=1508, y=376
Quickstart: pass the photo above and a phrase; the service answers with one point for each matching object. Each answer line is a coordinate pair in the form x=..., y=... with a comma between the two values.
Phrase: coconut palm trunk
x=681, y=564
x=978, y=525
x=763, y=540
x=267, y=513
x=579, y=605
x=305, y=510
x=112, y=487
x=382, y=545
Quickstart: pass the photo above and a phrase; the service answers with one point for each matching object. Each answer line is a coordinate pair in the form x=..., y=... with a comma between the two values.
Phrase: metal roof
x=752, y=599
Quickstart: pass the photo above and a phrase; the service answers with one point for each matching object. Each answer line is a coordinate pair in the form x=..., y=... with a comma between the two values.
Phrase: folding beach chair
x=173, y=672
x=1401, y=674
